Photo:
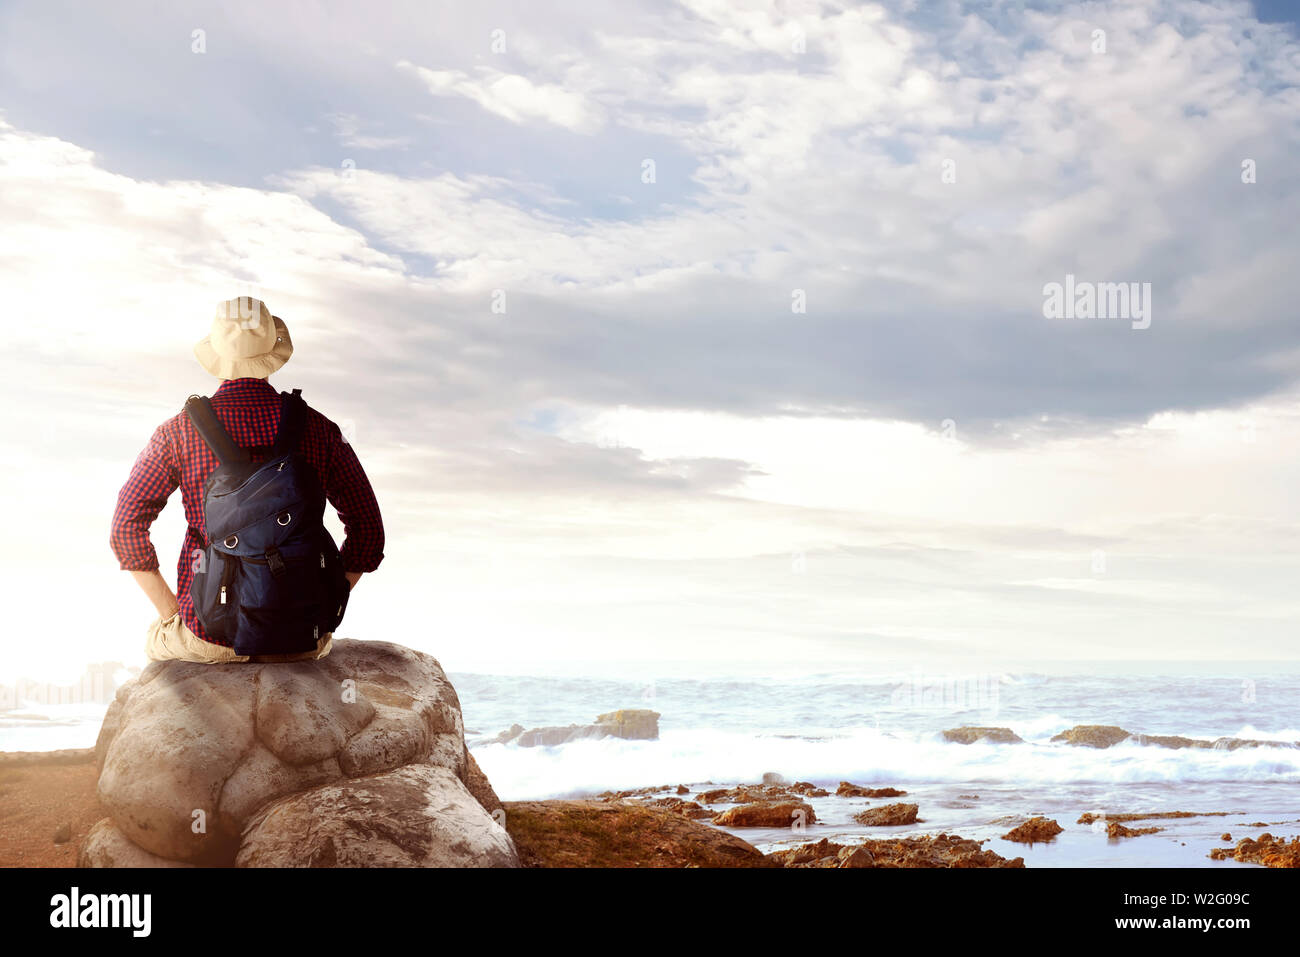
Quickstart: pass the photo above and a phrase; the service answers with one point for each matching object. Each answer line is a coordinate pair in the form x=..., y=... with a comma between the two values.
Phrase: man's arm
x=158, y=591
x=348, y=489
x=154, y=476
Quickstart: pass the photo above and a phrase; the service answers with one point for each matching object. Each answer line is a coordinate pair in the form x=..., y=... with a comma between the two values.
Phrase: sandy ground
x=35, y=803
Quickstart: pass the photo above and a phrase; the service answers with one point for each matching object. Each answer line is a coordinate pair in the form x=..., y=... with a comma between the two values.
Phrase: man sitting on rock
x=245, y=346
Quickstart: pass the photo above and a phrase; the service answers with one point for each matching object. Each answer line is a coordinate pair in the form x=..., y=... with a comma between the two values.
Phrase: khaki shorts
x=170, y=640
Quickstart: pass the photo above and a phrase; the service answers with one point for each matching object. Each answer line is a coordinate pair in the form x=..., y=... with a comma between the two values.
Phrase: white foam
x=693, y=757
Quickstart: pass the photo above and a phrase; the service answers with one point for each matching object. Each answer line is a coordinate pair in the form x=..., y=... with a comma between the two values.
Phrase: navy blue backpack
x=270, y=580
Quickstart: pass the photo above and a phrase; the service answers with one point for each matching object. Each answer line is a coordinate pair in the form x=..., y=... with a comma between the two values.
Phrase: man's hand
x=158, y=591
x=352, y=578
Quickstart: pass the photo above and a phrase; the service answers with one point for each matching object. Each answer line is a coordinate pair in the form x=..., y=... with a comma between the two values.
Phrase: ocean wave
x=866, y=756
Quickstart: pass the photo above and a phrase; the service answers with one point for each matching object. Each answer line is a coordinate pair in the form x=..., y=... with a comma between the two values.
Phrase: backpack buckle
x=275, y=561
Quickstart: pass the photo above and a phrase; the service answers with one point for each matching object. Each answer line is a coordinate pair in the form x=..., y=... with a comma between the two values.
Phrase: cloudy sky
x=707, y=331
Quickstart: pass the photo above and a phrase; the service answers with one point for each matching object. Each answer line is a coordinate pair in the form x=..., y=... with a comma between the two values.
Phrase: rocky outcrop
x=1266, y=850
x=846, y=789
x=686, y=808
x=416, y=816
x=1089, y=817
x=890, y=815
x=593, y=833
x=1218, y=744
x=767, y=814
x=1117, y=830
x=943, y=850
x=969, y=735
x=1093, y=735
x=744, y=794
x=808, y=789
x=199, y=759
x=642, y=792
x=634, y=724
x=1034, y=831
x=106, y=846
x=628, y=723
x=1106, y=735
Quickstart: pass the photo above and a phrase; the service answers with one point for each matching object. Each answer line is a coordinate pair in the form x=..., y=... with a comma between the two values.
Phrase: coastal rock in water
x=620, y=834
x=1093, y=735
x=969, y=735
x=1218, y=744
x=505, y=737
x=629, y=723
x=634, y=724
x=551, y=736
x=416, y=816
x=193, y=752
x=847, y=789
x=1169, y=741
x=767, y=814
x=1232, y=744
x=1088, y=817
x=890, y=815
x=744, y=794
x=1034, y=831
x=808, y=789
x=1267, y=850
x=944, y=850
x=636, y=792
x=1116, y=830
x=686, y=808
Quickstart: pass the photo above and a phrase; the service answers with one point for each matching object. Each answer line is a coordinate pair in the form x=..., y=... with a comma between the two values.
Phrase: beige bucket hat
x=246, y=341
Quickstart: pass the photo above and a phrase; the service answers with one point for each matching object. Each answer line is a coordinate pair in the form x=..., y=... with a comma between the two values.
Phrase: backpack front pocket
x=278, y=607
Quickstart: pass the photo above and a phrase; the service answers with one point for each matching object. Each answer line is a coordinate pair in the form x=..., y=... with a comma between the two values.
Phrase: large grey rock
x=191, y=752
x=417, y=816
x=106, y=846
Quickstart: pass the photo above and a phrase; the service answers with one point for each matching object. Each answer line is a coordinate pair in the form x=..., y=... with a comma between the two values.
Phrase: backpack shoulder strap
x=293, y=422
x=210, y=429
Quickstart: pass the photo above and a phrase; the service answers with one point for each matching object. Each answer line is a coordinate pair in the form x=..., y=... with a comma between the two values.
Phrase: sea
x=886, y=729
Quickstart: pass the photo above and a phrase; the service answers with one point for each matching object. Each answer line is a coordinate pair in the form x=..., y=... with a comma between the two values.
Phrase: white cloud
x=347, y=127
x=514, y=97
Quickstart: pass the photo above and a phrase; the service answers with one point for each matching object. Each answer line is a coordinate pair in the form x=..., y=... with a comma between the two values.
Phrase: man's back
x=176, y=456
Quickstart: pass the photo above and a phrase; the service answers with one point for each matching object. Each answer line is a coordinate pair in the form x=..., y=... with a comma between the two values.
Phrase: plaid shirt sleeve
x=348, y=489
x=154, y=477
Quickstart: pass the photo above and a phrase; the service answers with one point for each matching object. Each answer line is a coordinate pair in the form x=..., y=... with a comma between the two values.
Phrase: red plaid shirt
x=177, y=456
